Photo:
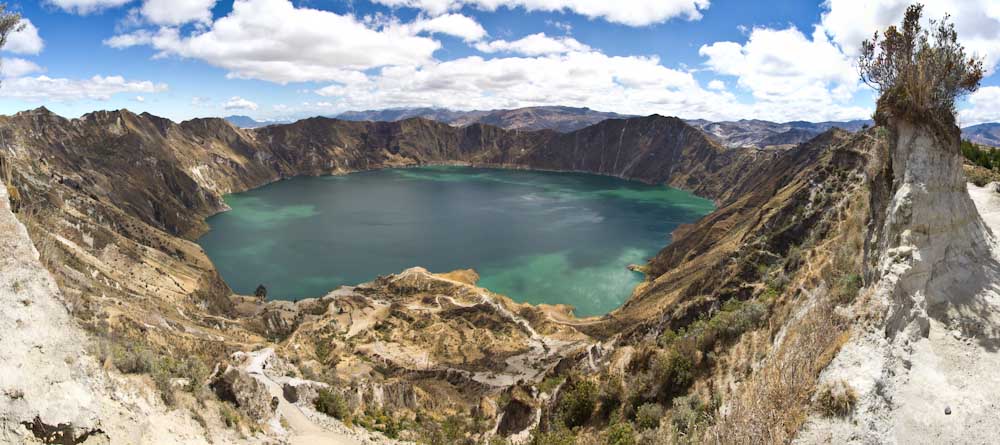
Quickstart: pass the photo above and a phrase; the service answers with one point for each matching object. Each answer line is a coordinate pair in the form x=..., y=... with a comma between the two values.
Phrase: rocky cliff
x=922, y=364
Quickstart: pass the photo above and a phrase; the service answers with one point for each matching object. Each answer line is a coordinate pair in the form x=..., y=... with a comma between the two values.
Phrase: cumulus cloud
x=26, y=40
x=239, y=103
x=44, y=88
x=534, y=45
x=716, y=85
x=136, y=38
x=84, y=7
x=786, y=68
x=17, y=67
x=777, y=64
x=626, y=12
x=177, y=12
x=451, y=24
x=632, y=84
x=274, y=40
x=849, y=22
x=983, y=106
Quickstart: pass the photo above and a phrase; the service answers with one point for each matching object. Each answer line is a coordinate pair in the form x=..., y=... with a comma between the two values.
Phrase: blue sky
x=285, y=59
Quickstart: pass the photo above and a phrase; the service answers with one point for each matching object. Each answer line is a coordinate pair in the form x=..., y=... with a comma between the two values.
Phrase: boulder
x=246, y=392
x=519, y=414
x=302, y=391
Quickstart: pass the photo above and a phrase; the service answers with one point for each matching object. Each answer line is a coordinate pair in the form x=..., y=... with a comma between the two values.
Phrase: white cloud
x=638, y=85
x=177, y=12
x=716, y=85
x=44, y=88
x=17, y=67
x=534, y=45
x=239, y=103
x=276, y=41
x=786, y=69
x=626, y=12
x=983, y=106
x=139, y=99
x=25, y=41
x=451, y=24
x=84, y=7
x=977, y=21
x=565, y=27
x=140, y=37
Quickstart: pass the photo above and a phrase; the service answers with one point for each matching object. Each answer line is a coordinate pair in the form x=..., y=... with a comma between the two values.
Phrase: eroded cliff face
x=923, y=362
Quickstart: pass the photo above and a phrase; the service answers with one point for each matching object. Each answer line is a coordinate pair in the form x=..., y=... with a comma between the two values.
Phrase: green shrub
x=559, y=436
x=846, y=288
x=229, y=416
x=161, y=378
x=667, y=338
x=549, y=384
x=450, y=431
x=620, y=434
x=687, y=412
x=576, y=405
x=648, y=416
x=613, y=396
x=674, y=367
x=333, y=405
x=132, y=358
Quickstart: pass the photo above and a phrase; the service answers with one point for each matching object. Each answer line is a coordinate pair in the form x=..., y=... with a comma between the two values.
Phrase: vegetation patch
x=836, y=399
x=333, y=404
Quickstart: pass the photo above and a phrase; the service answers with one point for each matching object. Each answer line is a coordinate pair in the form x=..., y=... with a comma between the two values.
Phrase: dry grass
x=774, y=402
x=836, y=399
x=7, y=177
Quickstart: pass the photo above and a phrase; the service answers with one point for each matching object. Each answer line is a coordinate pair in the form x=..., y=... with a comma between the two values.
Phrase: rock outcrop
x=238, y=387
x=923, y=366
x=51, y=389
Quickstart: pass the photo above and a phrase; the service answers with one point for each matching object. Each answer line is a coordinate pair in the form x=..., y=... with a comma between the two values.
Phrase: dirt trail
x=303, y=430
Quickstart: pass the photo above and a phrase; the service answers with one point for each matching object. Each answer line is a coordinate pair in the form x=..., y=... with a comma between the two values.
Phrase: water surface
x=539, y=237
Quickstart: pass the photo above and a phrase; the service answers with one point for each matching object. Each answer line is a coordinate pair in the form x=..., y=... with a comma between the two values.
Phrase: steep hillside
x=983, y=134
x=760, y=133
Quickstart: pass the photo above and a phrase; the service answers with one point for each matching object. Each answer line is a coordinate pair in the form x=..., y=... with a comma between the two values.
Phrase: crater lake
x=538, y=237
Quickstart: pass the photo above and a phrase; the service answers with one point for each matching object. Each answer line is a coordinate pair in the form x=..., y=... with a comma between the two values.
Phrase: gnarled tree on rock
x=919, y=74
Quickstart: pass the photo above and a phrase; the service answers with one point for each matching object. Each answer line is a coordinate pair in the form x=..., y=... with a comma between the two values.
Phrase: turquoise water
x=539, y=237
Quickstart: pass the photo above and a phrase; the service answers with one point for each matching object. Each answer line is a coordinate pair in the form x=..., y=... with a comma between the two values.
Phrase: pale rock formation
x=925, y=368
x=50, y=388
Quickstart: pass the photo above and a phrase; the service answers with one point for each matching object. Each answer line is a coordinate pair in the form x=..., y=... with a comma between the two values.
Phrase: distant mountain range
x=983, y=134
x=561, y=119
x=565, y=119
x=741, y=133
x=760, y=133
x=249, y=122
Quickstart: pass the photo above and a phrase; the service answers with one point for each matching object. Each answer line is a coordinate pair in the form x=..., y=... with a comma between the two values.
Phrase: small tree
x=919, y=73
x=9, y=22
